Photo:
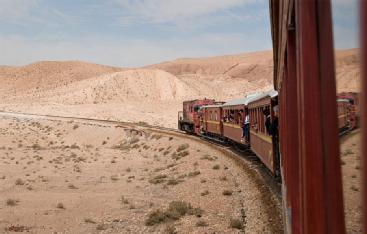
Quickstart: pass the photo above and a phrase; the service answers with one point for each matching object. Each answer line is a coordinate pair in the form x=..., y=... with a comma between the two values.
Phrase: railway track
x=271, y=193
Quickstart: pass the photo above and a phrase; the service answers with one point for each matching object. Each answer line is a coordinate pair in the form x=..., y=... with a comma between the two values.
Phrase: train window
x=347, y=70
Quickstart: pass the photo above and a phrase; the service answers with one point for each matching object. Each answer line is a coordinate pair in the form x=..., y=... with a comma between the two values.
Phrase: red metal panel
x=263, y=148
x=233, y=132
x=289, y=134
x=364, y=105
x=321, y=188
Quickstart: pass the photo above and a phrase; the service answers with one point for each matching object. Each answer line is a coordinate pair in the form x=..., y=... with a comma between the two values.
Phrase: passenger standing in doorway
x=274, y=129
x=267, y=116
x=245, y=127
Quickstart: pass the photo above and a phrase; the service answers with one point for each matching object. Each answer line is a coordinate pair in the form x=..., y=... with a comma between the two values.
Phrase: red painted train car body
x=212, y=120
x=233, y=116
x=188, y=118
x=260, y=135
x=344, y=115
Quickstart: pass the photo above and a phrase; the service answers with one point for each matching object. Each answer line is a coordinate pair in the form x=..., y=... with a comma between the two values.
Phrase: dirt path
x=89, y=177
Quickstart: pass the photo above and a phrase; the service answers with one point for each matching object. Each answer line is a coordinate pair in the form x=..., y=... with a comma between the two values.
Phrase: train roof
x=271, y=93
x=206, y=106
x=251, y=97
x=343, y=100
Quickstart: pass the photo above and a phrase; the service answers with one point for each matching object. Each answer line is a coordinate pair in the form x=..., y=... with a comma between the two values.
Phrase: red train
x=225, y=122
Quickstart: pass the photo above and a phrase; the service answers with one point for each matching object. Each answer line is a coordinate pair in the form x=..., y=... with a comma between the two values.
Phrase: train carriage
x=262, y=144
x=233, y=115
x=188, y=118
x=344, y=108
x=212, y=121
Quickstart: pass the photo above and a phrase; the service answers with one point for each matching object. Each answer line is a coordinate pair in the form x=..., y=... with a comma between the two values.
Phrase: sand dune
x=152, y=94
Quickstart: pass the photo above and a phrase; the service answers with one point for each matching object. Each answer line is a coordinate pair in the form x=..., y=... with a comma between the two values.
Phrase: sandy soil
x=87, y=177
x=351, y=171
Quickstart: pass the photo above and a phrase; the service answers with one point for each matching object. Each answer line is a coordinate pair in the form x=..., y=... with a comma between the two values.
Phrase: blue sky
x=131, y=33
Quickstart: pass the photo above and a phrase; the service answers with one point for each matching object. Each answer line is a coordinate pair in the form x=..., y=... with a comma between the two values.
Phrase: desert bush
x=174, y=181
x=223, y=178
x=124, y=200
x=206, y=192
x=75, y=126
x=178, y=156
x=89, y=220
x=36, y=146
x=207, y=157
x=227, y=192
x=194, y=173
x=19, y=182
x=101, y=227
x=158, y=179
x=170, y=229
x=60, y=205
x=71, y=186
x=201, y=223
x=182, y=147
x=175, y=211
x=236, y=223
x=11, y=202
x=114, y=178
x=216, y=167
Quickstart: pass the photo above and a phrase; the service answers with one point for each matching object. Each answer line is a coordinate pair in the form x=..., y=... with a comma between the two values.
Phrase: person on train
x=274, y=122
x=267, y=116
x=245, y=126
x=274, y=129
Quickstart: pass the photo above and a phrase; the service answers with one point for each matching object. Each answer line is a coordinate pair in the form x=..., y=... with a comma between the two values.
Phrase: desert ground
x=63, y=176
x=351, y=172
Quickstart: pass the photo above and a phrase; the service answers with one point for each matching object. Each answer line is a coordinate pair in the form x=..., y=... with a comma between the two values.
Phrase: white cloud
x=166, y=11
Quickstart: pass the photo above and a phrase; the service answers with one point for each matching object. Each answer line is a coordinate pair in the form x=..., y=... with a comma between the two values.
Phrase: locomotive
x=223, y=121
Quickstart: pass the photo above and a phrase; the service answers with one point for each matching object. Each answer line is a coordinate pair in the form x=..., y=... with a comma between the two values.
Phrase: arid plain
x=77, y=176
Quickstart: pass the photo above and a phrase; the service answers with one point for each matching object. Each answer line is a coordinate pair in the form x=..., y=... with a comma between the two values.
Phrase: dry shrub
x=175, y=211
x=101, y=227
x=216, y=167
x=36, y=146
x=89, y=220
x=174, y=181
x=227, y=192
x=207, y=157
x=182, y=147
x=354, y=188
x=194, y=173
x=158, y=179
x=236, y=223
x=19, y=182
x=124, y=200
x=170, y=229
x=201, y=223
x=180, y=155
x=12, y=202
x=60, y=206
x=71, y=186
x=206, y=192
